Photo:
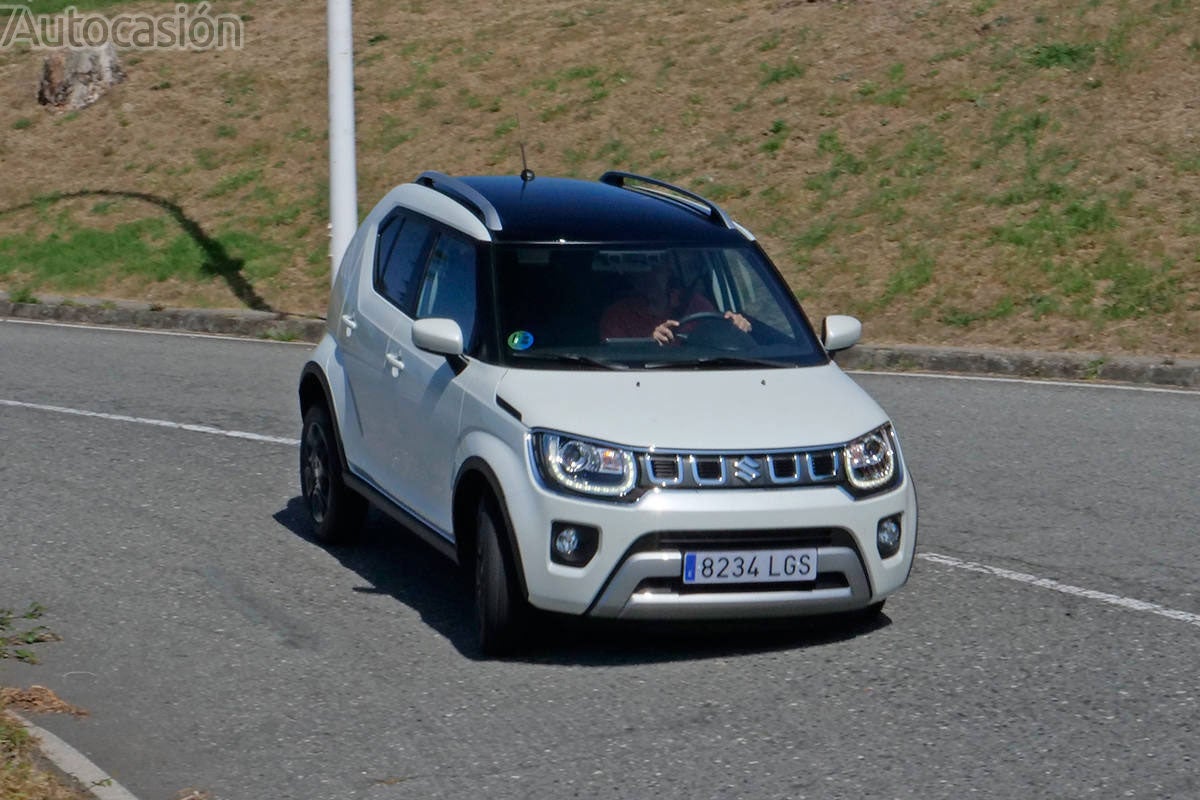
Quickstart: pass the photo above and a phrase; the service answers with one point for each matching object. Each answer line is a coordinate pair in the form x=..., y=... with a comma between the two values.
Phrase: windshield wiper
x=570, y=358
x=720, y=361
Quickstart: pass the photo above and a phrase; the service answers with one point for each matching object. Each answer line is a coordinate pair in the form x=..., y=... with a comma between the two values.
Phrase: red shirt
x=633, y=316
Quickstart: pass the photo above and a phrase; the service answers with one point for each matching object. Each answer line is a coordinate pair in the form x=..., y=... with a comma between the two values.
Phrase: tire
x=869, y=614
x=335, y=510
x=499, y=607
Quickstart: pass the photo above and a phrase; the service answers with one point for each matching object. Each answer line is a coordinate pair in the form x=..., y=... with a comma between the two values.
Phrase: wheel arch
x=314, y=390
x=475, y=482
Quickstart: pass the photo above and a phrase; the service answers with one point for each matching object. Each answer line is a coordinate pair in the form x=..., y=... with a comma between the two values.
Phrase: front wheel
x=870, y=614
x=499, y=607
x=336, y=511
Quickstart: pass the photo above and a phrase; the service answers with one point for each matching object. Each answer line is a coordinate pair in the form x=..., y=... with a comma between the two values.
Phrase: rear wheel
x=336, y=511
x=499, y=607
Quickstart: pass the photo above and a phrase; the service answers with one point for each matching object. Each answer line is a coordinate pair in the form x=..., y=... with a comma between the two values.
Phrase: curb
x=1074, y=366
x=74, y=764
x=122, y=313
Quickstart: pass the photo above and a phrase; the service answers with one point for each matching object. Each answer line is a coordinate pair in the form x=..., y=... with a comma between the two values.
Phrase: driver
x=655, y=308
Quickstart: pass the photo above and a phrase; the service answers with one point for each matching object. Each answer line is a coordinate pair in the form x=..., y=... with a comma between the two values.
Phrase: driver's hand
x=664, y=333
x=739, y=322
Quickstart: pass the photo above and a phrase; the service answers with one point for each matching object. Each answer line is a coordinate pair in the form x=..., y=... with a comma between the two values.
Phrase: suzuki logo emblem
x=748, y=469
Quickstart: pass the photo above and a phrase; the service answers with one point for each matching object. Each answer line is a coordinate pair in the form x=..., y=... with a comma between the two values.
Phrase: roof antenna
x=526, y=173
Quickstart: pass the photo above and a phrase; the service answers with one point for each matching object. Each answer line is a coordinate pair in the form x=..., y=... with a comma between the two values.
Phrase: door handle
x=396, y=362
x=351, y=325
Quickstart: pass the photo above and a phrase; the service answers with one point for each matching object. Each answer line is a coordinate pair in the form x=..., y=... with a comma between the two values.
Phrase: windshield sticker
x=520, y=340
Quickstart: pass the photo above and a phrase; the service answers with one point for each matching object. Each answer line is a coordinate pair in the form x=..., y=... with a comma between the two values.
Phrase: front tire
x=499, y=607
x=336, y=511
x=870, y=614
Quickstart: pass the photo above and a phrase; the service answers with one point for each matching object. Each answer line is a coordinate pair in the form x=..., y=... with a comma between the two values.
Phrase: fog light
x=572, y=544
x=887, y=536
x=566, y=542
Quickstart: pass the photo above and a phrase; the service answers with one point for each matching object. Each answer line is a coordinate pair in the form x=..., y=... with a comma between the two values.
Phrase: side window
x=755, y=295
x=402, y=243
x=449, y=286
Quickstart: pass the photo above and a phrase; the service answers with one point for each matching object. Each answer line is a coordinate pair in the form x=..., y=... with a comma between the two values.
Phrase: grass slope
x=968, y=171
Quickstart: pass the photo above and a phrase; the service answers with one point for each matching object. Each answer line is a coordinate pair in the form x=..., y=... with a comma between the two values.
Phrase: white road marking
x=224, y=337
x=1124, y=387
x=158, y=423
x=76, y=764
x=1065, y=588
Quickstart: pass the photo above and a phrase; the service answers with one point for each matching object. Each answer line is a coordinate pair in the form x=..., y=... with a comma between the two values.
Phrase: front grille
x=825, y=580
x=744, y=539
x=741, y=470
x=708, y=469
x=783, y=468
x=663, y=469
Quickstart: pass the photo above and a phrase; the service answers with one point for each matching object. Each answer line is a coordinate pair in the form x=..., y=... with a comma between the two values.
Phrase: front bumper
x=633, y=593
x=637, y=570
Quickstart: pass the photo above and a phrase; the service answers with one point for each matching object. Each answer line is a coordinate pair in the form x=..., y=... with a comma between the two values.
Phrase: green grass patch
x=1073, y=57
x=842, y=163
x=506, y=127
x=915, y=270
x=787, y=71
x=393, y=135
x=961, y=318
x=777, y=135
x=1051, y=229
x=23, y=294
x=20, y=632
x=81, y=260
x=1132, y=289
x=234, y=182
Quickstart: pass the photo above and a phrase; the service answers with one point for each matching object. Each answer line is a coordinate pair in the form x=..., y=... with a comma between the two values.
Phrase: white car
x=602, y=397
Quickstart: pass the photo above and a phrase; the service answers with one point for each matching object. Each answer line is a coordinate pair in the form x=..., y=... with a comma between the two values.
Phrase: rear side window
x=402, y=245
x=449, y=286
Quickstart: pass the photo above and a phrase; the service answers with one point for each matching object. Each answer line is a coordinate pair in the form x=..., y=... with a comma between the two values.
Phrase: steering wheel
x=699, y=315
x=720, y=337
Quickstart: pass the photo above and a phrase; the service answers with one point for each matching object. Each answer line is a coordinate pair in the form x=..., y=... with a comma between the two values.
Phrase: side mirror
x=438, y=335
x=840, y=332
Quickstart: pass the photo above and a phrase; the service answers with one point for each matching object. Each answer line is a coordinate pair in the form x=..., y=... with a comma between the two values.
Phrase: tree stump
x=77, y=77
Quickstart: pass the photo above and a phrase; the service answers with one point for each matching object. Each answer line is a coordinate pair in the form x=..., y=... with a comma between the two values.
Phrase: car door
x=367, y=329
x=428, y=398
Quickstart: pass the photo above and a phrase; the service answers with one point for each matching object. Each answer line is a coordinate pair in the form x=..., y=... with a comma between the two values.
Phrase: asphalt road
x=1046, y=645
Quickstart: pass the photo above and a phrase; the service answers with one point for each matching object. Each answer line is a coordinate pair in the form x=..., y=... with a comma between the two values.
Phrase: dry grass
x=967, y=171
x=23, y=773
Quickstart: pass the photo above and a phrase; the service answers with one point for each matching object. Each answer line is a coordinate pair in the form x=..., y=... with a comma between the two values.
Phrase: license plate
x=750, y=566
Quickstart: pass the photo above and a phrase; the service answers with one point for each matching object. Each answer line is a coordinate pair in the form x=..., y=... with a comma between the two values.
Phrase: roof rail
x=465, y=193
x=715, y=212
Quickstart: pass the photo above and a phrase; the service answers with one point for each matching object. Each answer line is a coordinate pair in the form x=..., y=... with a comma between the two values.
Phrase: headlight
x=871, y=460
x=586, y=467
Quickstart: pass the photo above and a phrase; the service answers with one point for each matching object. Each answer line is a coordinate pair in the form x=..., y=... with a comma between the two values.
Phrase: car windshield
x=609, y=306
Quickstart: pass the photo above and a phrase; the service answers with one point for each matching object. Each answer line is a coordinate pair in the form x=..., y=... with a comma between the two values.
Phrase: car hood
x=759, y=409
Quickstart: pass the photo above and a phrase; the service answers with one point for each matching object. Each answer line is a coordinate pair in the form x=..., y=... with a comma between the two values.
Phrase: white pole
x=343, y=171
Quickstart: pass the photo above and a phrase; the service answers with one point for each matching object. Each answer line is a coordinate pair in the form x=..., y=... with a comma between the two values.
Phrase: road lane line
x=1065, y=588
x=159, y=423
x=223, y=337
x=76, y=764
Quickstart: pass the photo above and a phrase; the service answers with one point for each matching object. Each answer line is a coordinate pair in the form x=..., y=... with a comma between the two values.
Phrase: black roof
x=569, y=210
